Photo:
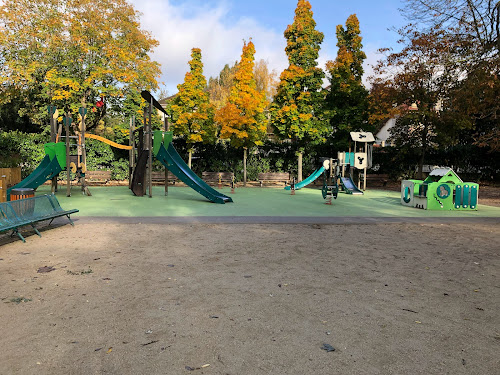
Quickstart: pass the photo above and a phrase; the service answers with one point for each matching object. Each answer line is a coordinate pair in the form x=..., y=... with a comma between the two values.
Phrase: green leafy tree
x=73, y=53
x=192, y=112
x=242, y=120
x=296, y=112
x=347, y=98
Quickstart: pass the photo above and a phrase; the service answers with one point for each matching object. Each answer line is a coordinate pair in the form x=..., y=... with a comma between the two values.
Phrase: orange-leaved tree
x=73, y=53
x=192, y=112
x=242, y=120
x=219, y=87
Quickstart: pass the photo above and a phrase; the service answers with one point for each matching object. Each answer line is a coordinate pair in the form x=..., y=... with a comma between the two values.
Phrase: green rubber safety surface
x=252, y=201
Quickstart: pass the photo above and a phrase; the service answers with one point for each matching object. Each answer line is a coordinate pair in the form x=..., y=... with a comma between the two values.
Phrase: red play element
x=100, y=103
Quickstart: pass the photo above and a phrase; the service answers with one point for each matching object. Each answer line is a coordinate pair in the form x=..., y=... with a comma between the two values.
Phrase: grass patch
x=20, y=299
x=83, y=272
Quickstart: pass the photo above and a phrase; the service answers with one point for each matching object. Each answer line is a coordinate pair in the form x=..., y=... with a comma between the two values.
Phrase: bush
x=23, y=150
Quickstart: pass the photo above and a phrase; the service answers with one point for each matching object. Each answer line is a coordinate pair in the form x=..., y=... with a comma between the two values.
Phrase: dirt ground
x=252, y=299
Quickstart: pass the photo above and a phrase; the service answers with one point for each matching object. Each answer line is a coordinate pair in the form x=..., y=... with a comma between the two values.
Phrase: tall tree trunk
x=420, y=172
x=244, y=166
x=190, y=153
x=299, y=167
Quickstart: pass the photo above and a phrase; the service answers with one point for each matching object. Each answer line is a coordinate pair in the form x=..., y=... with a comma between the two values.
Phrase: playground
x=224, y=279
x=181, y=283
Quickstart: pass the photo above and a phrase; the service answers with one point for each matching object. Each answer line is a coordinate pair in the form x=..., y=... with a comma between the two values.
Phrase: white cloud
x=180, y=28
x=183, y=27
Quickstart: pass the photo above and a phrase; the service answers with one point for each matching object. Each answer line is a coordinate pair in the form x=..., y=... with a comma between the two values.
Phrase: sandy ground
x=252, y=299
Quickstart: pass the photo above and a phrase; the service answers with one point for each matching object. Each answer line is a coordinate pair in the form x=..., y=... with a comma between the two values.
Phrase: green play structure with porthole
x=441, y=190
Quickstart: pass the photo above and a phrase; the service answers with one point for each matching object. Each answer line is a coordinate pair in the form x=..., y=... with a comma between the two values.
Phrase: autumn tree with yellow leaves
x=297, y=110
x=73, y=53
x=192, y=112
x=242, y=120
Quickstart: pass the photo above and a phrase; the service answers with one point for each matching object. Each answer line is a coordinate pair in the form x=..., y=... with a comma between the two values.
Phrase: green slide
x=51, y=165
x=308, y=180
x=169, y=157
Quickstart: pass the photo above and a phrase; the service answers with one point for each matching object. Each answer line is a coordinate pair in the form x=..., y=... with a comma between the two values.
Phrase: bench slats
x=274, y=177
x=160, y=177
x=29, y=211
x=98, y=176
x=215, y=176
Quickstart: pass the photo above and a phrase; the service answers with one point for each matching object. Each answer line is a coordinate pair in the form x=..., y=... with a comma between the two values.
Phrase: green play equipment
x=165, y=152
x=51, y=165
x=441, y=190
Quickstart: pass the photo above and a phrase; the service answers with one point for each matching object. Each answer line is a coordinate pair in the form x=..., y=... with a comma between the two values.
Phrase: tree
x=347, y=98
x=72, y=53
x=265, y=80
x=415, y=83
x=192, y=113
x=242, y=119
x=296, y=112
x=219, y=88
x=472, y=29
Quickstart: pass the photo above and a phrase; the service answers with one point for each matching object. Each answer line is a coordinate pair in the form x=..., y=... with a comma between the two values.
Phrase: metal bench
x=218, y=177
x=97, y=177
x=29, y=211
x=274, y=177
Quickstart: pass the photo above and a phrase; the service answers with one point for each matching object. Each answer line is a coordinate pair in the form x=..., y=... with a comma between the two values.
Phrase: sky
x=219, y=27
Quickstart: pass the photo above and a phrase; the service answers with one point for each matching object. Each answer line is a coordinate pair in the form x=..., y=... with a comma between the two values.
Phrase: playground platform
x=256, y=205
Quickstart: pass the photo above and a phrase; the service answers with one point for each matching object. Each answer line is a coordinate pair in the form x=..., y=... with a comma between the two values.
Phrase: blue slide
x=349, y=186
x=308, y=180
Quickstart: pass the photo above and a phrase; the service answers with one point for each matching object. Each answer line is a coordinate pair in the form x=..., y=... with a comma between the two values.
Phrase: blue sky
x=219, y=27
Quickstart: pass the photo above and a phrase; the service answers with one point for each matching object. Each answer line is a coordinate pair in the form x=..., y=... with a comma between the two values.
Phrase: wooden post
x=299, y=167
x=67, y=122
x=244, y=166
x=343, y=166
x=350, y=166
x=131, y=153
x=167, y=127
x=53, y=138
x=364, y=171
x=3, y=189
x=83, y=113
x=150, y=153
